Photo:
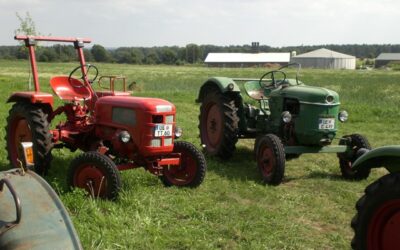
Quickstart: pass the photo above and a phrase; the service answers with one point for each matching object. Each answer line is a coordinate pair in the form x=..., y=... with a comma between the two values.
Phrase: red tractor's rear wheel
x=97, y=174
x=270, y=156
x=192, y=168
x=28, y=123
x=356, y=142
x=218, y=124
x=377, y=222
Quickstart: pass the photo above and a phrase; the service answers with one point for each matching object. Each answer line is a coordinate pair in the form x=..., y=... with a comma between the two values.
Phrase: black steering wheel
x=88, y=67
x=274, y=82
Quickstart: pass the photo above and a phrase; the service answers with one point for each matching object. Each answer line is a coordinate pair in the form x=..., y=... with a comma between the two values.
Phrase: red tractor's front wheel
x=97, y=174
x=270, y=156
x=192, y=168
x=377, y=222
x=28, y=123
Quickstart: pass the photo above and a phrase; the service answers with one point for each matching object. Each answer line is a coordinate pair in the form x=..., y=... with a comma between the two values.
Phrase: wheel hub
x=384, y=228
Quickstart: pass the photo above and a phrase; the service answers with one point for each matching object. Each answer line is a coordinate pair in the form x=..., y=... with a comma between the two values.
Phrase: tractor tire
x=28, y=123
x=377, y=222
x=219, y=124
x=271, y=159
x=191, y=171
x=97, y=174
x=357, y=142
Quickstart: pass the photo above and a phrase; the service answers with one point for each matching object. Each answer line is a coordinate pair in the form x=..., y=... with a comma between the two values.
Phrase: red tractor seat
x=69, y=89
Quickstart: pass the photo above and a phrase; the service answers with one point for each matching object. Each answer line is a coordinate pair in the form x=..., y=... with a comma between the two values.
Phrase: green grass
x=232, y=209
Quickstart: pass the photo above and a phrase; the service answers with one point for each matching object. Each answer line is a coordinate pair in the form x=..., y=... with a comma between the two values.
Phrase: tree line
x=175, y=55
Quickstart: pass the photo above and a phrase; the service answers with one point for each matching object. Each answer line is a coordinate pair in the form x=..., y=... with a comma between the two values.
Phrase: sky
x=147, y=23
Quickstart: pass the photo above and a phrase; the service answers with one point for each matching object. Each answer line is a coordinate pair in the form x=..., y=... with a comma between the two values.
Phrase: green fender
x=387, y=156
x=224, y=84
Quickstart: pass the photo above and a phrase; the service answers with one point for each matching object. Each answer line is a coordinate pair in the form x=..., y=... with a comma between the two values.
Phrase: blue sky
x=221, y=22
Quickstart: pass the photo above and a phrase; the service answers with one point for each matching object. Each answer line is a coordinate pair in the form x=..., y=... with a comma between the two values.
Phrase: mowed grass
x=232, y=209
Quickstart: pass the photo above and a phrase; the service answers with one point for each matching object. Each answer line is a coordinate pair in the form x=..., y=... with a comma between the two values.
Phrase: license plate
x=326, y=123
x=161, y=130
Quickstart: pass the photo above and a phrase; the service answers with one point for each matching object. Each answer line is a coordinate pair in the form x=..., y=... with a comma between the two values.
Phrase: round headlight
x=286, y=117
x=178, y=132
x=343, y=116
x=231, y=86
x=330, y=99
x=124, y=136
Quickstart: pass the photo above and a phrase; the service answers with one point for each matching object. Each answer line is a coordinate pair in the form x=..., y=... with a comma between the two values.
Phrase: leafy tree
x=27, y=25
x=100, y=54
x=168, y=56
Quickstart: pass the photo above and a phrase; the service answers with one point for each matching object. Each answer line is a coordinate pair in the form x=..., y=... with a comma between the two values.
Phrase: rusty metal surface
x=44, y=224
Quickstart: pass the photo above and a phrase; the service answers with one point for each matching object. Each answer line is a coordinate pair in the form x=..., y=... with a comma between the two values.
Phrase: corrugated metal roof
x=247, y=57
x=389, y=56
x=323, y=53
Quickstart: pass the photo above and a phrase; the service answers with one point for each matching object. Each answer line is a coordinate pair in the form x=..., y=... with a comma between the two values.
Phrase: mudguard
x=31, y=214
x=387, y=156
x=32, y=97
x=224, y=84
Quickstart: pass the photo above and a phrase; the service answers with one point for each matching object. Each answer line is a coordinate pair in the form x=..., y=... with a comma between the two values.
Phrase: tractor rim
x=384, y=226
x=92, y=179
x=20, y=132
x=185, y=172
x=213, y=126
x=266, y=160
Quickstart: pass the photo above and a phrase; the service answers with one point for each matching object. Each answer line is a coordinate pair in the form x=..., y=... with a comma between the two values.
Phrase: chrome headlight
x=286, y=117
x=343, y=116
x=231, y=86
x=178, y=132
x=124, y=136
x=330, y=99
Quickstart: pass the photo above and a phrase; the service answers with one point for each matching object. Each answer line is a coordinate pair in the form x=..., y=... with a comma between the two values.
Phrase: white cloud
x=169, y=22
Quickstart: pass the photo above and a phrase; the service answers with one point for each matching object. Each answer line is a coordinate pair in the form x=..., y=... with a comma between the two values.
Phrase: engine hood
x=155, y=105
x=308, y=94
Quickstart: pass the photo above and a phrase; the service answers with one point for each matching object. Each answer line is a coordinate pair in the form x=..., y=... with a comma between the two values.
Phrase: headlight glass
x=330, y=99
x=343, y=116
x=286, y=117
x=124, y=136
x=178, y=132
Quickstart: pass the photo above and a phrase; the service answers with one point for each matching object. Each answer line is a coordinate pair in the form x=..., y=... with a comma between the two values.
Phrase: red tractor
x=115, y=130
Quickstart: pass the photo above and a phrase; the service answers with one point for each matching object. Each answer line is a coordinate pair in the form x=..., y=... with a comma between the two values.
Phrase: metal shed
x=385, y=58
x=325, y=59
x=246, y=59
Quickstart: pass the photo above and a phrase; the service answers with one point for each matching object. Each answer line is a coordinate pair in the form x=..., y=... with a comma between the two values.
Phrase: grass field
x=232, y=209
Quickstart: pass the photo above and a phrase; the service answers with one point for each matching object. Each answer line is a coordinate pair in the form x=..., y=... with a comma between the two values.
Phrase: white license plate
x=161, y=130
x=326, y=123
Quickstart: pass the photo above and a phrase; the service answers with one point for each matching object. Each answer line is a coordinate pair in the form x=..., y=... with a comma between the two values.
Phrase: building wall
x=244, y=65
x=326, y=63
x=380, y=63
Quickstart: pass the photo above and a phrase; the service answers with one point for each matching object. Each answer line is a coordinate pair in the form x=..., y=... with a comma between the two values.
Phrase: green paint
x=387, y=156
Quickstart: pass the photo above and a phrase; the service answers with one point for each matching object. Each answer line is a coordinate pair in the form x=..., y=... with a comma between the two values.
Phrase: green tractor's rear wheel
x=377, y=222
x=356, y=142
x=270, y=156
x=192, y=168
x=28, y=123
x=96, y=173
x=218, y=124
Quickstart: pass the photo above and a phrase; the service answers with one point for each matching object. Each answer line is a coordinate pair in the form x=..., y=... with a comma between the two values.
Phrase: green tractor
x=291, y=119
x=377, y=222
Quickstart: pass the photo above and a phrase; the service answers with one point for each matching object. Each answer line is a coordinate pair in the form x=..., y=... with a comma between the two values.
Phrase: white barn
x=246, y=59
x=325, y=59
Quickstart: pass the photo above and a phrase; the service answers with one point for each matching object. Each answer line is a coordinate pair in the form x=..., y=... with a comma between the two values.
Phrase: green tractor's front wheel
x=270, y=156
x=218, y=124
x=377, y=222
x=356, y=142
x=28, y=123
